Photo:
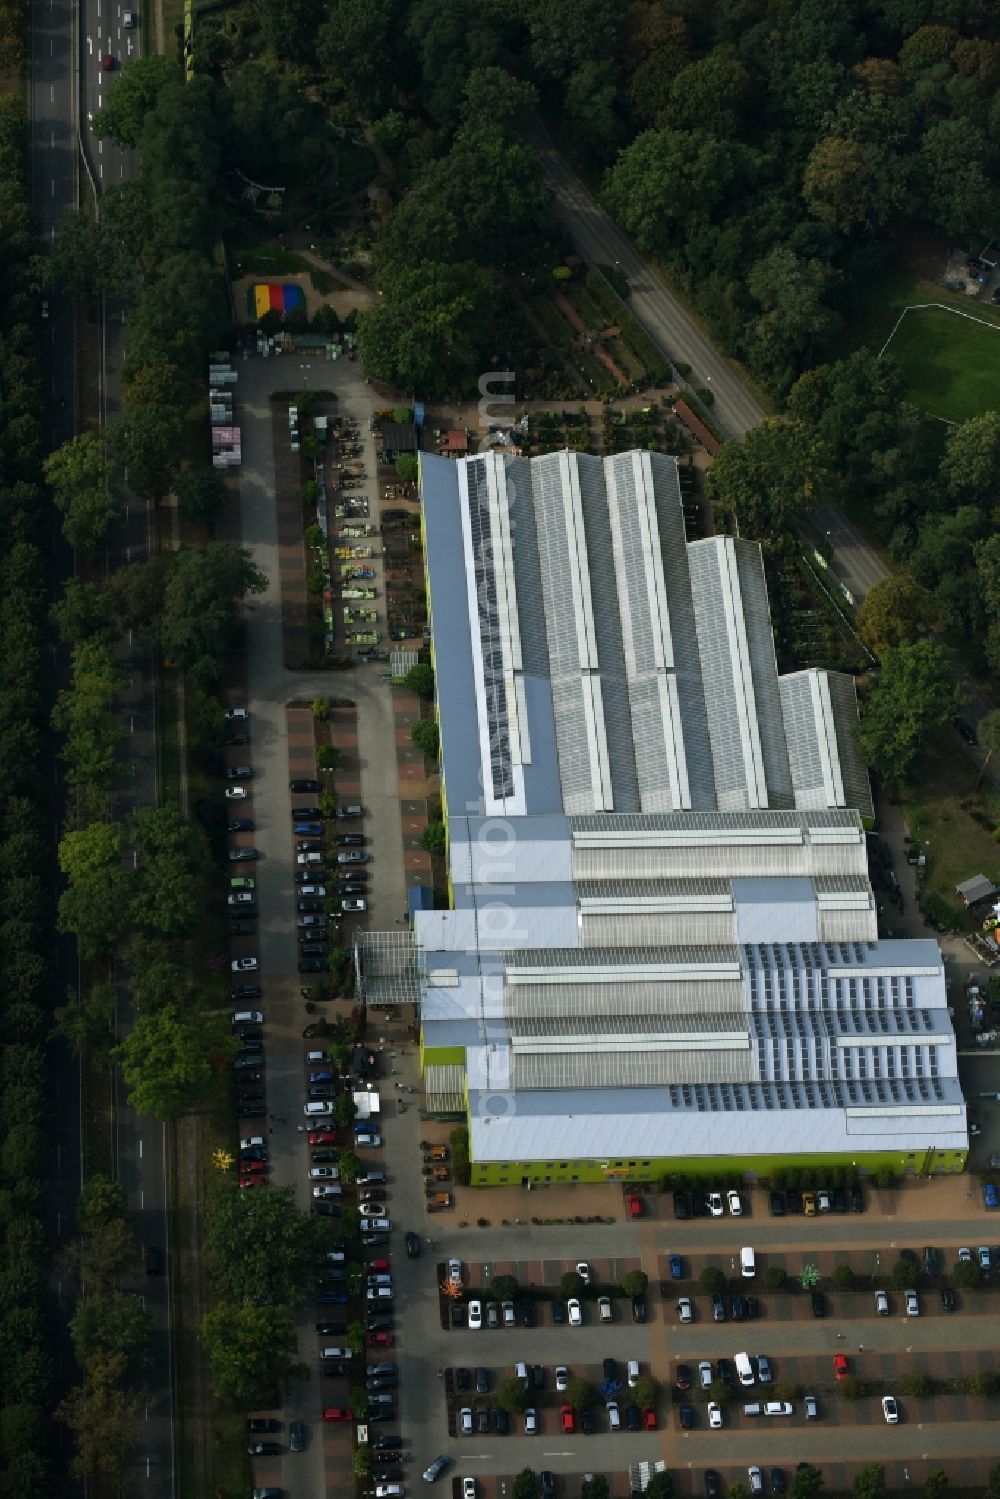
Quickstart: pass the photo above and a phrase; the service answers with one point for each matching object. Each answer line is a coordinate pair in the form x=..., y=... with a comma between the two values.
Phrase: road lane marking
x=52, y=93
x=140, y=1147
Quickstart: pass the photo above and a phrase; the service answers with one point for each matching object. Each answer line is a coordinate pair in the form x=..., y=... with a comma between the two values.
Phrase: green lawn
x=938, y=806
x=950, y=359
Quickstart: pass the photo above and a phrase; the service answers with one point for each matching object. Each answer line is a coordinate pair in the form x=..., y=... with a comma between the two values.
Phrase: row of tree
x=26, y=1364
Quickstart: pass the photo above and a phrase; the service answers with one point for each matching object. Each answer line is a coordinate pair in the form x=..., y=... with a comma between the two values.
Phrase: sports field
x=950, y=362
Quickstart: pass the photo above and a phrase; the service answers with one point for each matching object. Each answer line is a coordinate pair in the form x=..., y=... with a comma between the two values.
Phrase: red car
x=634, y=1205
x=337, y=1413
x=380, y=1340
x=379, y=1265
x=649, y=1418
x=253, y=1168
x=253, y=1181
x=567, y=1417
x=107, y=63
x=840, y=1366
x=322, y=1137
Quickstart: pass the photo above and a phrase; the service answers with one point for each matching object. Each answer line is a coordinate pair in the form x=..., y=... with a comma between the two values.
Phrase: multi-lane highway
x=68, y=85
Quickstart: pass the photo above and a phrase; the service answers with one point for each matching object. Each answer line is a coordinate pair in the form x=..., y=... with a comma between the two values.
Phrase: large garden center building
x=661, y=953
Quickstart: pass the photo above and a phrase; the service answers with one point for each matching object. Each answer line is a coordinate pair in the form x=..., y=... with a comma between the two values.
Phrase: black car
x=240, y=825
x=753, y=1307
x=610, y=1368
x=463, y=1379
x=638, y=1308
x=777, y=1480
x=305, y=814
x=793, y=1200
x=309, y=949
x=253, y=1153
x=312, y=965
x=682, y=1205
x=633, y=1420
x=948, y=1299
x=380, y=1322
x=725, y=1371
x=682, y=1377
x=249, y=1095
x=588, y=1422
x=537, y=1377
x=412, y=1243
x=457, y=1314
x=246, y=991
x=776, y=1203
x=932, y=1260
x=686, y=1414
x=311, y=904
x=350, y=840
x=297, y=1437
x=388, y=1475
x=382, y=1442
x=251, y=1111
x=482, y=1381
x=482, y=1419
x=243, y=855
x=857, y=1200
x=246, y=1033
x=548, y=1484
x=713, y=1484
x=818, y=1303
x=331, y=1329
x=559, y=1312
x=302, y=783
x=839, y=1196
x=501, y=1422
x=718, y=1308
x=372, y=1241
x=325, y=1209
x=525, y=1313
x=264, y=1449
x=382, y=1413
x=353, y=888
x=492, y=1314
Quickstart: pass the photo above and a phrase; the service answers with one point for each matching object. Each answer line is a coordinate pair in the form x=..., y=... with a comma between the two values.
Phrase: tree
x=571, y=1284
x=646, y=1390
x=430, y=326
x=853, y=185
x=420, y=679
x=103, y=1326
x=426, y=735
x=362, y=1462
x=202, y=494
x=260, y=1247
x=166, y=1060
x=970, y=465
x=104, y=1420
x=634, y=1282
x=916, y=693
x=904, y=1275
x=988, y=734
x=434, y=837
x=327, y=756
x=843, y=1278
x=807, y=1483
x=917, y=1384
x=512, y=1396
x=774, y=1278
x=85, y=611
x=525, y=1485
x=349, y=1166
x=344, y=1110
x=356, y=1337
x=935, y=1484
x=108, y=1252
x=101, y=1201
x=580, y=1393
x=408, y=467
x=981, y=1383
x=851, y=1388
x=132, y=95
x=148, y=441
x=595, y=1486
x=80, y=475
x=895, y=611
x=712, y=1280
x=791, y=291
x=252, y=1349
x=504, y=1287
x=661, y=1485
x=199, y=616
x=993, y=1482
x=772, y=478
x=166, y=897
x=869, y=1481
x=95, y=905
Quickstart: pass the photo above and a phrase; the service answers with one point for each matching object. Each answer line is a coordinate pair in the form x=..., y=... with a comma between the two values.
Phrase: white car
x=753, y=1473
x=705, y=1374
x=573, y=1312
x=583, y=1271
x=244, y=965
x=965, y=1256
x=735, y=1206
x=313, y=858
x=714, y=1416
x=371, y=1140
x=714, y=1204
x=890, y=1409
x=376, y=1226
x=242, y=898
x=530, y=1422
x=236, y=793
x=465, y=1420
x=984, y=1256
x=389, y=1491
x=604, y=1309
x=633, y=1373
x=562, y=1377
x=249, y=1141
x=372, y=1208
x=323, y=1174
x=685, y=1310
x=238, y=715
x=475, y=1315
x=326, y=1190
x=455, y=1272
x=912, y=1304
x=305, y=890
x=809, y=1405
x=881, y=1304
x=353, y=905
x=468, y=1488
x=379, y=1293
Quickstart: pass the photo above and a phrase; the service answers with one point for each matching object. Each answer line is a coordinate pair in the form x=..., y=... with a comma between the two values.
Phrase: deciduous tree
x=916, y=693
x=895, y=612
x=252, y=1349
